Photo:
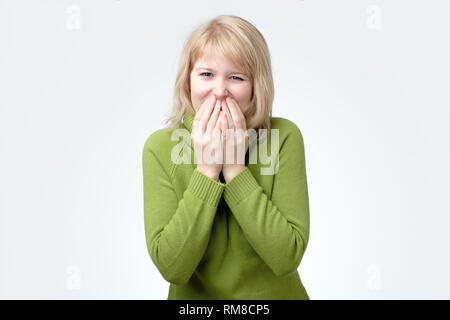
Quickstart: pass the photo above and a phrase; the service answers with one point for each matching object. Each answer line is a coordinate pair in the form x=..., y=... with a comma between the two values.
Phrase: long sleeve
x=177, y=230
x=276, y=228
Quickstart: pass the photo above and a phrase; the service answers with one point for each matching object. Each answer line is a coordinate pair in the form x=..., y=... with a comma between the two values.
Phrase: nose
x=220, y=90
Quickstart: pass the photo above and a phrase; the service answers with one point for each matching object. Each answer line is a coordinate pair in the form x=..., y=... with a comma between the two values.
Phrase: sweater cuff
x=205, y=188
x=240, y=187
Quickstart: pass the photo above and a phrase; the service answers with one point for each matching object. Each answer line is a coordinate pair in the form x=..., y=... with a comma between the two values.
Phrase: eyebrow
x=209, y=69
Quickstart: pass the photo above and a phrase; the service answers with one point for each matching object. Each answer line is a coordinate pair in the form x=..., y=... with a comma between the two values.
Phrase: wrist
x=209, y=173
x=232, y=172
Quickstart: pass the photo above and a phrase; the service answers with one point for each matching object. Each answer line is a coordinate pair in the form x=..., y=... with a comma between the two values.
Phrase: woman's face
x=213, y=74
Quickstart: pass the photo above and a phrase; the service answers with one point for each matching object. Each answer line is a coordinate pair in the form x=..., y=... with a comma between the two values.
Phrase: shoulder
x=287, y=129
x=159, y=146
x=163, y=139
x=163, y=142
x=157, y=139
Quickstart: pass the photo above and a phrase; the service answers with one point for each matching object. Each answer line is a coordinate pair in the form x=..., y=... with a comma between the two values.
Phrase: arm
x=177, y=232
x=276, y=228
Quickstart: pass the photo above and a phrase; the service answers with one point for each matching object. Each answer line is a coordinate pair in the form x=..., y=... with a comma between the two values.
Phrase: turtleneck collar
x=188, y=119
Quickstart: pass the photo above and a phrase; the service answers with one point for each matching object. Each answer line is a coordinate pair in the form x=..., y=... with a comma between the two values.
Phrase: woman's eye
x=208, y=75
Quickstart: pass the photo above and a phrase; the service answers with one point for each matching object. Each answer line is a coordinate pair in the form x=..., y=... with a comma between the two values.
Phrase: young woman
x=226, y=229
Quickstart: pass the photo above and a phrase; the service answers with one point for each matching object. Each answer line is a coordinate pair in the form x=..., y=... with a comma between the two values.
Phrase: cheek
x=244, y=95
x=198, y=94
x=198, y=89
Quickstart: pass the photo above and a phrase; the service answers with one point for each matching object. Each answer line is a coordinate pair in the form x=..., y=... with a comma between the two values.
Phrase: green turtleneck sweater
x=238, y=240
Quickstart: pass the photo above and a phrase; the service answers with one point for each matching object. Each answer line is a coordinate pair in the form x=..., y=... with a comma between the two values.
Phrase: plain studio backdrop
x=84, y=83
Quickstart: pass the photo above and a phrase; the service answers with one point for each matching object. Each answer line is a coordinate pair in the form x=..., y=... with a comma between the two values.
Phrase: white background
x=84, y=83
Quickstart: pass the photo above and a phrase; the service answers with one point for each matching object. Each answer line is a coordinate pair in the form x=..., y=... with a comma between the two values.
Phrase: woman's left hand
x=236, y=139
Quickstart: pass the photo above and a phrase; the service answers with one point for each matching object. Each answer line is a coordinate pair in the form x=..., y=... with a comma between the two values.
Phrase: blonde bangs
x=232, y=48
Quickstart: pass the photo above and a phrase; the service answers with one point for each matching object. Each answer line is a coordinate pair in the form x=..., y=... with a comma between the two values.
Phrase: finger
x=223, y=122
x=219, y=122
x=213, y=120
x=229, y=123
x=229, y=129
x=209, y=107
x=197, y=123
x=218, y=125
x=229, y=118
x=207, y=104
x=210, y=100
x=204, y=113
x=235, y=111
x=212, y=126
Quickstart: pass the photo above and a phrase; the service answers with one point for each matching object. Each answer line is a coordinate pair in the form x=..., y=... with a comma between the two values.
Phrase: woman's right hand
x=206, y=138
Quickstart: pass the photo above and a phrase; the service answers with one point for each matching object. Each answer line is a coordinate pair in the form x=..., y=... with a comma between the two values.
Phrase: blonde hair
x=242, y=43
